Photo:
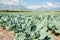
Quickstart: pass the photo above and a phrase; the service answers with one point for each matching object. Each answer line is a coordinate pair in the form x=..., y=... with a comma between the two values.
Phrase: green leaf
x=43, y=33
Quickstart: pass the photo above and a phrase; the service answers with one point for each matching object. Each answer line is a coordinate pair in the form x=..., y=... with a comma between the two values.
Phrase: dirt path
x=6, y=35
x=57, y=37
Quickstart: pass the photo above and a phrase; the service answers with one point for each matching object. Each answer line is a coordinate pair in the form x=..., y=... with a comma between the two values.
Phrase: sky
x=34, y=4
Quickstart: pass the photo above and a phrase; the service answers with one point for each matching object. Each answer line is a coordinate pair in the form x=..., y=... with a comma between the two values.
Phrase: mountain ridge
x=11, y=7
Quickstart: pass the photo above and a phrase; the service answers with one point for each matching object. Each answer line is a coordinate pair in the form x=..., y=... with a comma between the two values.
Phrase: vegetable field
x=32, y=26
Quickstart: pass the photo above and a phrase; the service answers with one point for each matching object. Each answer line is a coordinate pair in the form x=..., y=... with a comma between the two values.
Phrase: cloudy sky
x=33, y=4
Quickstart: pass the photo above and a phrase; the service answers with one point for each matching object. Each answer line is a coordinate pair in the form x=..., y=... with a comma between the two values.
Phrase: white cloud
x=33, y=7
x=47, y=5
x=9, y=1
x=15, y=0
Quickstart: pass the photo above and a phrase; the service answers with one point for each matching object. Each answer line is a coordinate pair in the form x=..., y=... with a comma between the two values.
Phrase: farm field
x=34, y=12
x=32, y=25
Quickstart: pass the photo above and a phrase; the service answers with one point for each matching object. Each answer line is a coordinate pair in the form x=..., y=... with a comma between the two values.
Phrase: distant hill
x=20, y=7
x=47, y=9
x=11, y=7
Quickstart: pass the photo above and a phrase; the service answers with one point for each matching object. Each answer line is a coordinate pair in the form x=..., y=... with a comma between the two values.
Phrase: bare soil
x=6, y=35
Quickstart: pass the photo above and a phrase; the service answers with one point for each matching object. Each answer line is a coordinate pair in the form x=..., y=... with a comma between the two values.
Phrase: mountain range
x=11, y=7
x=20, y=7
